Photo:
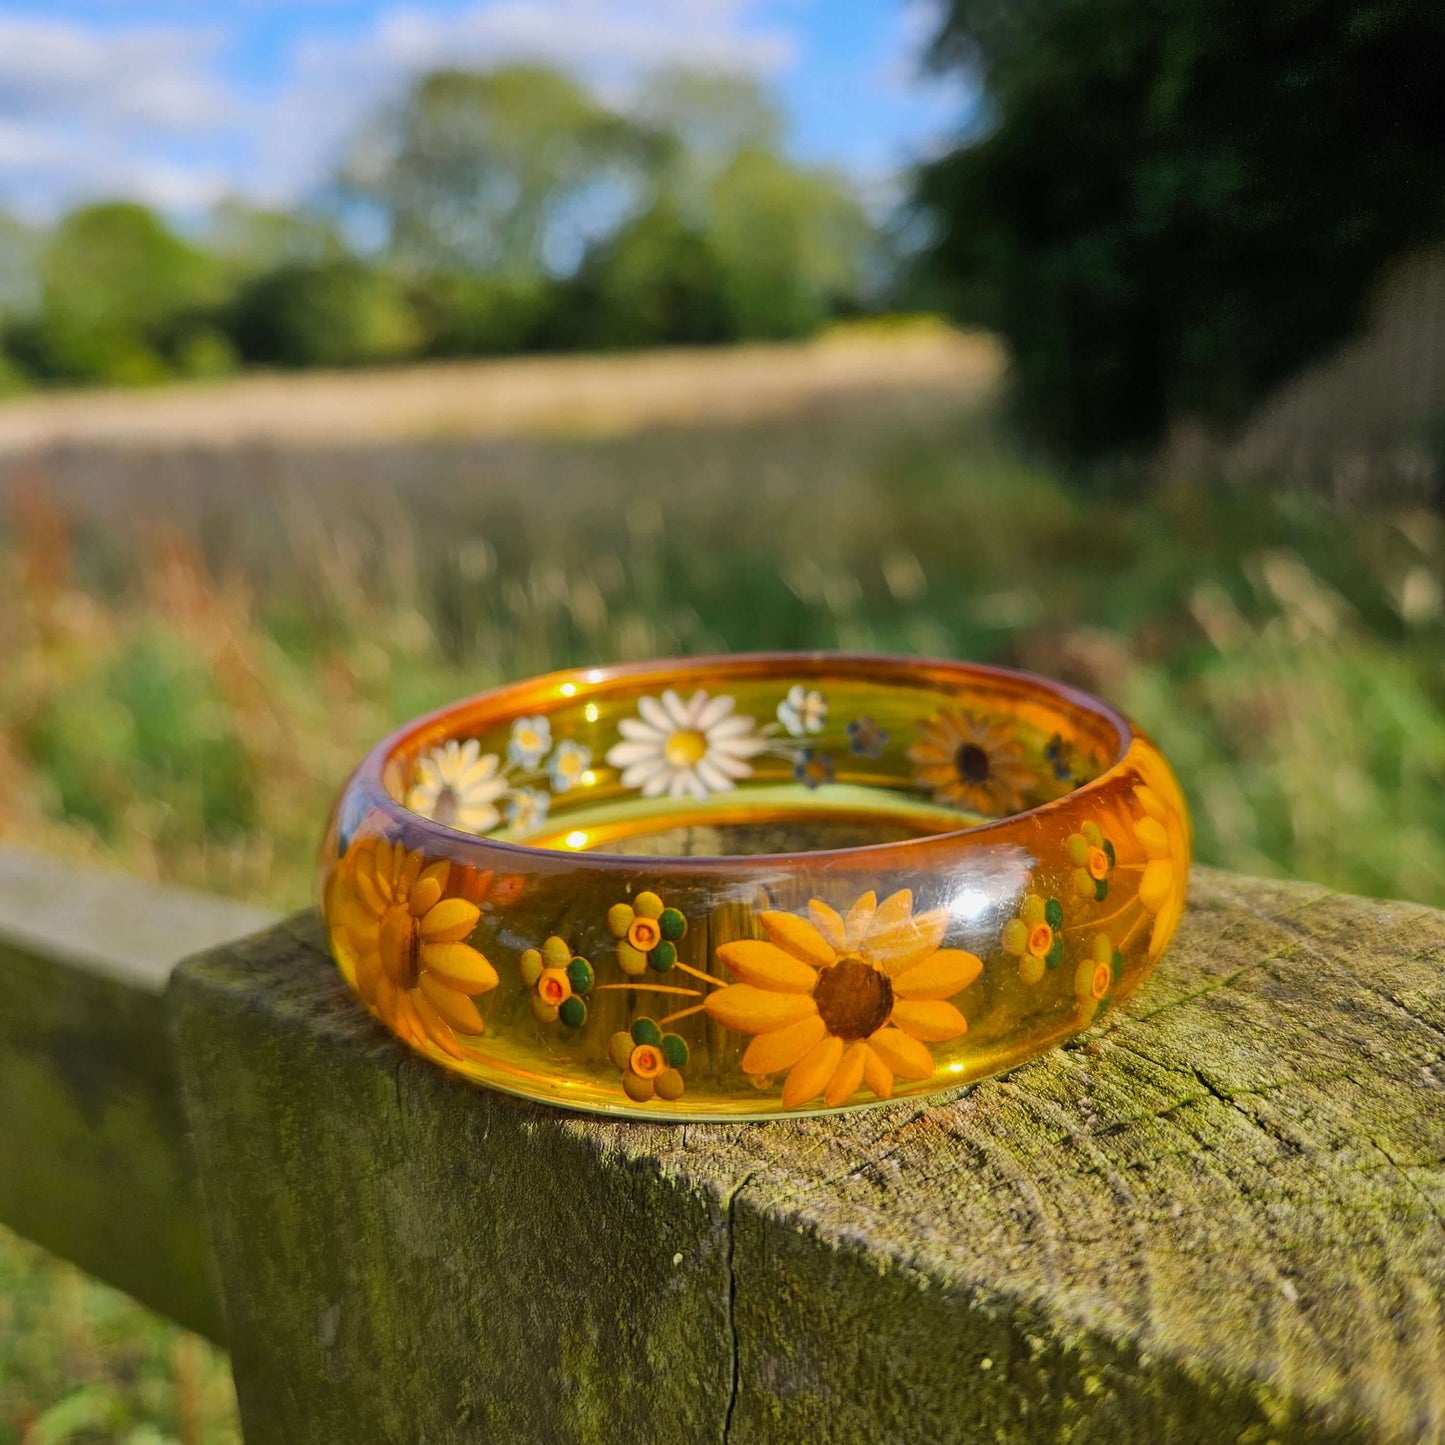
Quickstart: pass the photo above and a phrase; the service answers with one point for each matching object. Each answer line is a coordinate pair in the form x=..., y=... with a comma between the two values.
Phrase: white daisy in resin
x=685, y=749
x=530, y=740
x=457, y=784
x=568, y=765
x=803, y=711
x=527, y=809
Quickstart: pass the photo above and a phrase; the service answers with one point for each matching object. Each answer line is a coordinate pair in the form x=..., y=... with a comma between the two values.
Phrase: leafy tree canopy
x=118, y=264
x=19, y=261
x=251, y=240
x=1167, y=208
x=475, y=172
x=793, y=242
x=121, y=296
x=697, y=123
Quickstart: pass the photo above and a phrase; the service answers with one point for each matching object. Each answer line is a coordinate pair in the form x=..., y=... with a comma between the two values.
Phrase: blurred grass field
x=200, y=641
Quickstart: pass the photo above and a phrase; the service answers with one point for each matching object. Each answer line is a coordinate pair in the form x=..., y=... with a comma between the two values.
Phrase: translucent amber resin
x=753, y=885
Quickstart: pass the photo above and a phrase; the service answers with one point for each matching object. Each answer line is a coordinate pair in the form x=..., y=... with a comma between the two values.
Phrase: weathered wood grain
x=1217, y=1218
x=94, y=1162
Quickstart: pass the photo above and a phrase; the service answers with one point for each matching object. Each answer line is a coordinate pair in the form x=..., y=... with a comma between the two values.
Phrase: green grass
x=195, y=680
x=202, y=648
x=80, y=1362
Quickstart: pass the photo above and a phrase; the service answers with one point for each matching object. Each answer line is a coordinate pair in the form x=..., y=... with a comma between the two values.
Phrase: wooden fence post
x=1218, y=1218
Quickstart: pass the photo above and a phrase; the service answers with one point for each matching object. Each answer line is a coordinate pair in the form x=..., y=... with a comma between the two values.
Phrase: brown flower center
x=854, y=999
x=646, y=1061
x=1041, y=939
x=553, y=987
x=400, y=941
x=448, y=805
x=972, y=763
x=644, y=934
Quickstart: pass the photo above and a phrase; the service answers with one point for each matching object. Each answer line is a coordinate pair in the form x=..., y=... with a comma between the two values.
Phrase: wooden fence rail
x=1220, y=1217
x=94, y=1163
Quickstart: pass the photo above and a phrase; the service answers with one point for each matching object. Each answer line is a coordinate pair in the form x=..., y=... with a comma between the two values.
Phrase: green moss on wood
x=94, y=1163
x=1219, y=1217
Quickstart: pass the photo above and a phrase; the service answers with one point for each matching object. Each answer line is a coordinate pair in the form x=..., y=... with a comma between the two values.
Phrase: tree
x=791, y=242
x=253, y=239
x=657, y=282
x=480, y=172
x=19, y=295
x=783, y=245
x=122, y=297
x=528, y=214
x=1168, y=208
x=696, y=124
x=19, y=268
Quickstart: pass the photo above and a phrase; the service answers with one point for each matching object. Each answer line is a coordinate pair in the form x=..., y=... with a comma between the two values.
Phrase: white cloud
x=585, y=35
x=91, y=110
x=903, y=69
x=171, y=186
x=29, y=148
x=154, y=78
x=88, y=111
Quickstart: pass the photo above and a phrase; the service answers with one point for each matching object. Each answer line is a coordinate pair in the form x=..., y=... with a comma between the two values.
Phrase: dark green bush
x=463, y=314
x=325, y=313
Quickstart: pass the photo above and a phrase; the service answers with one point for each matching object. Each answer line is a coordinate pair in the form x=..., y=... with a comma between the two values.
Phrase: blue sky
x=179, y=102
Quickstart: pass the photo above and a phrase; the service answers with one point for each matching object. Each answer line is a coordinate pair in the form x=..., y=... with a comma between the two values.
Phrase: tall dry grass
x=200, y=648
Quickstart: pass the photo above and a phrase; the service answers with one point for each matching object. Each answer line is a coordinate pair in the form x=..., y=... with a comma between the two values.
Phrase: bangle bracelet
x=753, y=885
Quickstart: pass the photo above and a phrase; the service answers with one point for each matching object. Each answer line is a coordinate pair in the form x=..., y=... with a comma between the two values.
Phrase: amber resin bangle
x=753, y=885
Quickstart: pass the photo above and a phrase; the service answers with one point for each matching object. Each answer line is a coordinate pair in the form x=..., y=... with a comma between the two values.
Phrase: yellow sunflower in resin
x=412, y=966
x=971, y=762
x=1161, y=834
x=840, y=1002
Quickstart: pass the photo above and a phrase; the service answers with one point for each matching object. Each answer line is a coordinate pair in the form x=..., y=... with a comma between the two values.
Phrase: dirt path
x=586, y=395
